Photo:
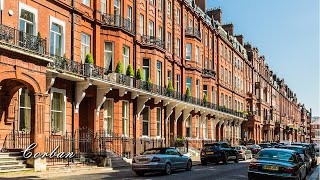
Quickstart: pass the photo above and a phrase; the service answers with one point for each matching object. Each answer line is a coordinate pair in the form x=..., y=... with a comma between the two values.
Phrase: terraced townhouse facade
x=49, y=91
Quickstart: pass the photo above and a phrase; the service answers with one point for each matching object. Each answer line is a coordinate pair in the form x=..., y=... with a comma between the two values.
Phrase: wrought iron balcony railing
x=209, y=72
x=118, y=21
x=23, y=40
x=193, y=32
x=64, y=64
x=152, y=40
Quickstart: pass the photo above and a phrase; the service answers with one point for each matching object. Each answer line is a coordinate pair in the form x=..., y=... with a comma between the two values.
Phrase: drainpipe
x=73, y=83
x=135, y=71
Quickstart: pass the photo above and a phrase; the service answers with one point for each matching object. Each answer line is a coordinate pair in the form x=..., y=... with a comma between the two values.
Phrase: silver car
x=160, y=160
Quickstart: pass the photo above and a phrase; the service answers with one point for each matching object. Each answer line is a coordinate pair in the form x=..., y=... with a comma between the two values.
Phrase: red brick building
x=199, y=81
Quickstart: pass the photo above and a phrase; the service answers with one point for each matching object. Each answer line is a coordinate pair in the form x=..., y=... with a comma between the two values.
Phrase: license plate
x=272, y=168
x=210, y=153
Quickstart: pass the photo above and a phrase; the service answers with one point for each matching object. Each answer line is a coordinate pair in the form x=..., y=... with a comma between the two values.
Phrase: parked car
x=303, y=152
x=311, y=151
x=255, y=149
x=272, y=163
x=265, y=145
x=217, y=152
x=160, y=160
x=244, y=153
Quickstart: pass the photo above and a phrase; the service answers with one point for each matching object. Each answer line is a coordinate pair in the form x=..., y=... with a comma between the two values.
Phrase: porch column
x=38, y=133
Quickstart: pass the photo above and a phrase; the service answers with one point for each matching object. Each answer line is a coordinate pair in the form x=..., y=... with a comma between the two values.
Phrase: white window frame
x=124, y=124
x=169, y=9
x=141, y=24
x=160, y=33
x=151, y=29
x=19, y=112
x=105, y=52
x=86, y=2
x=178, y=83
x=212, y=95
x=143, y=120
x=205, y=129
x=169, y=41
x=189, y=52
x=178, y=47
x=112, y=117
x=178, y=16
x=64, y=92
x=197, y=126
x=160, y=5
x=159, y=131
x=197, y=88
x=126, y=56
x=189, y=119
x=85, y=45
x=129, y=9
x=32, y=10
x=159, y=72
x=103, y=6
x=63, y=35
x=197, y=53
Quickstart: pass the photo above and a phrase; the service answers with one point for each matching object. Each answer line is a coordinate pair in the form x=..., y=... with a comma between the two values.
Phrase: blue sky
x=286, y=32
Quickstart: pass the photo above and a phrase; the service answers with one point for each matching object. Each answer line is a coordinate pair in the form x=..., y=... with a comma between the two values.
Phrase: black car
x=271, y=163
x=311, y=151
x=217, y=152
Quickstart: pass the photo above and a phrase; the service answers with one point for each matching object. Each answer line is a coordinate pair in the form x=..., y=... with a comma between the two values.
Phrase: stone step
x=16, y=162
x=15, y=170
x=10, y=154
x=16, y=166
x=11, y=158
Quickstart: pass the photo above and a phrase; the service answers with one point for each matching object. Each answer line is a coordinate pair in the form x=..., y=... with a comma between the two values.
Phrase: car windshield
x=275, y=155
x=238, y=148
x=154, y=151
x=297, y=149
x=264, y=145
x=255, y=146
x=211, y=146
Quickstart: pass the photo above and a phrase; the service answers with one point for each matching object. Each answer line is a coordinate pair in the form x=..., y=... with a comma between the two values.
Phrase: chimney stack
x=216, y=14
x=228, y=28
x=240, y=39
x=201, y=4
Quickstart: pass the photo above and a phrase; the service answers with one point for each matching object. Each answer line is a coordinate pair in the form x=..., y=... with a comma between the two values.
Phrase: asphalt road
x=231, y=171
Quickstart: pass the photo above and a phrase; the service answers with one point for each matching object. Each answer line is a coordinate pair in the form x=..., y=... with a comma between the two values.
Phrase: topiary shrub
x=205, y=98
x=170, y=86
x=89, y=59
x=139, y=74
x=119, y=67
x=188, y=93
x=129, y=71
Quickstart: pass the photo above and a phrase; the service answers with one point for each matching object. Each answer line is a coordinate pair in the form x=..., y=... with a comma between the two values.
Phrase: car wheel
x=204, y=163
x=189, y=165
x=140, y=173
x=167, y=169
x=237, y=159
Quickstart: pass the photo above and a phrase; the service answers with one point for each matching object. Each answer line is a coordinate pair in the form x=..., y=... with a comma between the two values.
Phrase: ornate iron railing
x=209, y=72
x=152, y=40
x=64, y=64
x=23, y=40
x=193, y=32
x=118, y=21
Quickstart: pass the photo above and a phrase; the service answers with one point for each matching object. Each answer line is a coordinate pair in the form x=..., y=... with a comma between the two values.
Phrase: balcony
x=23, y=41
x=190, y=31
x=151, y=40
x=118, y=22
x=209, y=72
x=62, y=64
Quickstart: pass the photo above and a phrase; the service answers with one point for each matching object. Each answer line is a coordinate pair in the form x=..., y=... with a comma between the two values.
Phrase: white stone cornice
x=81, y=92
x=134, y=95
x=178, y=112
x=186, y=113
x=141, y=104
x=122, y=92
x=157, y=100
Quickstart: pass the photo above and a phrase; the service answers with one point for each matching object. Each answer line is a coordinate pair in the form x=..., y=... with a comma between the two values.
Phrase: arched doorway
x=17, y=112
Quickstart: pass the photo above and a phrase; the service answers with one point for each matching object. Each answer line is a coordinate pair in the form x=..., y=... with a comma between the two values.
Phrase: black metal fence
x=118, y=21
x=17, y=140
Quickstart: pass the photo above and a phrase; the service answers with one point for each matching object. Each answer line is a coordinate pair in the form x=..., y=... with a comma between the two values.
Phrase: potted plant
x=64, y=62
x=170, y=88
x=88, y=65
x=119, y=70
x=188, y=93
x=130, y=74
x=139, y=78
x=39, y=43
x=205, y=99
x=149, y=85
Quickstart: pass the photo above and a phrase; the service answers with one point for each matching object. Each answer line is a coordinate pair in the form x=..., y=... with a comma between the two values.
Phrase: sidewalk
x=316, y=172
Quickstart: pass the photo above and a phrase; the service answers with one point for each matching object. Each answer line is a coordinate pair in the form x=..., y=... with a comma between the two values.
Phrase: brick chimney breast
x=216, y=14
x=240, y=39
x=229, y=28
x=201, y=4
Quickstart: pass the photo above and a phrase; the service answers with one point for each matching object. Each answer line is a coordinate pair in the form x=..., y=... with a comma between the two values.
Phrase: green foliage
x=205, y=98
x=39, y=38
x=188, y=93
x=129, y=71
x=139, y=74
x=119, y=68
x=89, y=59
x=149, y=82
x=170, y=86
